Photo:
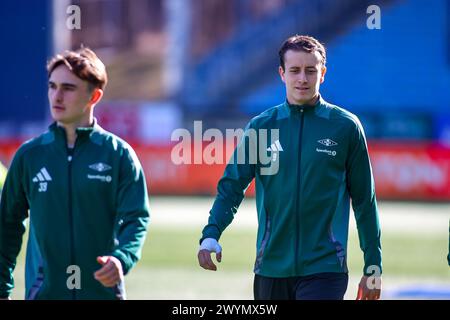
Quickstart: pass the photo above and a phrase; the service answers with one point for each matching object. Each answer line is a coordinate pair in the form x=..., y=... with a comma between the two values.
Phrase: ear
x=281, y=72
x=97, y=94
x=322, y=76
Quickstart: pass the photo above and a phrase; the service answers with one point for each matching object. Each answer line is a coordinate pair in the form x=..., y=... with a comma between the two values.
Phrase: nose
x=302, y=77
x=57, y=95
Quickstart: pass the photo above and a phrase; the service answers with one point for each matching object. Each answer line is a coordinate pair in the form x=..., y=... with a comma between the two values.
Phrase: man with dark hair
x=303, y=207
x=84, y=191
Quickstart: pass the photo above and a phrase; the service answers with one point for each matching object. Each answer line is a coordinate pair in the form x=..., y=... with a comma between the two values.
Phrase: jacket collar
x=83, y=133
x=291, y=109
x=304, y=106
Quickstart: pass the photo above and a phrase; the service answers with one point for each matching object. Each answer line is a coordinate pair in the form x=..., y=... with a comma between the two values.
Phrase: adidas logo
x=100, y=167
x=327, y=142
x=42, y=177
x=276, y=146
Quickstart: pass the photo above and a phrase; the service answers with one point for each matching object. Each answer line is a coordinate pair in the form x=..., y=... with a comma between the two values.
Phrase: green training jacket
x=83, y=202
x=3, y=172
x=315, y=164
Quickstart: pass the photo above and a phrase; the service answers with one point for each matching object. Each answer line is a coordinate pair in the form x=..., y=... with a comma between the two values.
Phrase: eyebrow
x=307, y=67
x=64, y=84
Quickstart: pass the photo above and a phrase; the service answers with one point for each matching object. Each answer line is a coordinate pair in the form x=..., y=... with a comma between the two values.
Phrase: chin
x=306, y=99
x=60, y=119
x=57, y=118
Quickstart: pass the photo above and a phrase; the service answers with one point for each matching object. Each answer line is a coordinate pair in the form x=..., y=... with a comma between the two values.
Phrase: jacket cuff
x=210, y=231
x=126, y=264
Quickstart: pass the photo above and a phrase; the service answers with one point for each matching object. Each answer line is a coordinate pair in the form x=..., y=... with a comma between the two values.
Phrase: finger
x=373, y=294
x=208, y=263
x=202, y=259
x=219, y=256
x=110, y=282
x=104, y=270
x=359, y=294
x=113, y=273
x=205, y=260
x=378, y=295
x=364, y=293
x=109, y=279
x=102, y=260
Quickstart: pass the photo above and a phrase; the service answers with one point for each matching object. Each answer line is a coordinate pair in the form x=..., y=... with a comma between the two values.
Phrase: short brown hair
x=83, y=63
x=302, y=43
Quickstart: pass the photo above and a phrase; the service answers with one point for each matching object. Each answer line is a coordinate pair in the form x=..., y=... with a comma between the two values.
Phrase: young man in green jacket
x=84, y=191
x=318, y=161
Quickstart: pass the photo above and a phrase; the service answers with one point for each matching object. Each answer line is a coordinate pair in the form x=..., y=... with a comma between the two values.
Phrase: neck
x=311, y=102
x=71, y=129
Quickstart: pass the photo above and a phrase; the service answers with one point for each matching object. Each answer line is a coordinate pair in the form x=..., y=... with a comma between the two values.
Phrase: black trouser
x=319, y=286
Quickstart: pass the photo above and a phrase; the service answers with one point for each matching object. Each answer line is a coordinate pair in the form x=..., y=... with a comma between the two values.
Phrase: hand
x=204, y=254
x=110, y=273
x=369, y=288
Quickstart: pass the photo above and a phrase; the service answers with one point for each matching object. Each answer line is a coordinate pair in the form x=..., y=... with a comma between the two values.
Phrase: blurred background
x=173, y=62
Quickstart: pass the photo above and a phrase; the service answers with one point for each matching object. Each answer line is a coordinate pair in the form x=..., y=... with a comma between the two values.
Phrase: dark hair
x=83, y=63
x=302, y=43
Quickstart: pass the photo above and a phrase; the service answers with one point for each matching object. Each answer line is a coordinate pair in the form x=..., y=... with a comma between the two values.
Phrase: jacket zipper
x=298, y=193
x=71, y=231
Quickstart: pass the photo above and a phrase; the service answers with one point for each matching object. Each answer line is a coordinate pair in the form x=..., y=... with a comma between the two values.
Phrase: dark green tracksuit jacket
x=88, y=202
x=316, y=163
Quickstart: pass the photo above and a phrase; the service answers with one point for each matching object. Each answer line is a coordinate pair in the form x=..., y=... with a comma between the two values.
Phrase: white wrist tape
x=210, y=244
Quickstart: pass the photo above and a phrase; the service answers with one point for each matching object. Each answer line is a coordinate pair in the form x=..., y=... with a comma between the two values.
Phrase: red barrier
x=409, y=171
x=7, y=150
x=419, y=171
x=165, y=177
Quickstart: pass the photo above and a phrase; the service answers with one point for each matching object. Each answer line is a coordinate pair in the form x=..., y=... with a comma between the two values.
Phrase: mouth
x=302, y=89
x=58, y=108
